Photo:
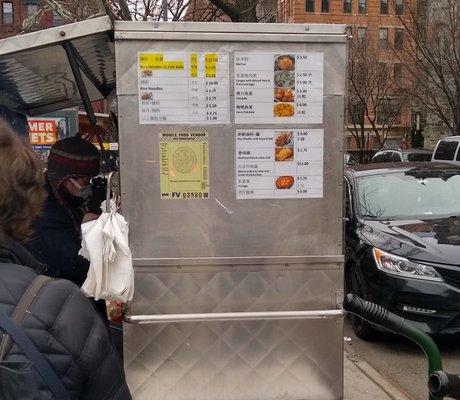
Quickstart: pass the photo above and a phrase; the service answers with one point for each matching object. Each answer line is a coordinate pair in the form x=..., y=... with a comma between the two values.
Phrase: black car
x=403, y=242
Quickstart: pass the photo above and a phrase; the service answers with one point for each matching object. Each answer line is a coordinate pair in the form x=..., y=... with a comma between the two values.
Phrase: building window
x=57, y=18
x=347, y=6
x=310, y=6
x=383, y=36
x=356, y=113
x=31, y=9
x=384, y=7
x=7, y=13
x=397, y=73
x=362, y=35
x=362, y=6
x=388, y=112
x=399, y=39
x=361, y=75
x=399, y=7
x=382, y=71
x=324, y=6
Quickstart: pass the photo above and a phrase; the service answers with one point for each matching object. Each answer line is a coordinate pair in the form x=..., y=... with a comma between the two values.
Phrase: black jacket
x=57, y=240
x=65, y=327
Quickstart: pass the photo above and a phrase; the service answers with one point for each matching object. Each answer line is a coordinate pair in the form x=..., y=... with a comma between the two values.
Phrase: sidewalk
x=363, y=382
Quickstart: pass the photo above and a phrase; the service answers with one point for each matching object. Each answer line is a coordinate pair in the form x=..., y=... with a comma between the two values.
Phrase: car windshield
x=413, y=194
x=417, y=157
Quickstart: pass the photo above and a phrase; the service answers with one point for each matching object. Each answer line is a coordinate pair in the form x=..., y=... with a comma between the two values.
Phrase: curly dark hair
x=21, y=185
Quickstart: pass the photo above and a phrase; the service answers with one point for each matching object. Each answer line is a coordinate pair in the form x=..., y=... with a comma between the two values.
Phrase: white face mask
x=83, y=191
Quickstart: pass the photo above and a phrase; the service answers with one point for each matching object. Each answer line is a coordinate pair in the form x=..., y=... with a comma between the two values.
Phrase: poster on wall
x=184, y=165
x=278, y=88
x=183, y=88
x=44, y=132
x=279, y=163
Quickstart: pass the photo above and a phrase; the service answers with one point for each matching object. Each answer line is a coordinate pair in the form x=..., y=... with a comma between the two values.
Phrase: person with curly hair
x=53, y=313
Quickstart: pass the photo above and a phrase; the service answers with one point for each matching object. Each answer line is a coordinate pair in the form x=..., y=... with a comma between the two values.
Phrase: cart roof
x=36, y=77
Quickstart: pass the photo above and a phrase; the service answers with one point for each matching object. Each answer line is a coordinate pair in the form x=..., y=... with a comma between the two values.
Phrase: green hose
x=428, y=346
x=380, y=316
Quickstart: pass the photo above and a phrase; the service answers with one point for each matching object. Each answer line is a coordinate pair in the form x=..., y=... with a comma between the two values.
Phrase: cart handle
x=443, y=384
x=231, y=316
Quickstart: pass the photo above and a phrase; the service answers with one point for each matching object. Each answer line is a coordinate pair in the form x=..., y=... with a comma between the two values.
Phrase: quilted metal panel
x=236, y=288
x=236, y=360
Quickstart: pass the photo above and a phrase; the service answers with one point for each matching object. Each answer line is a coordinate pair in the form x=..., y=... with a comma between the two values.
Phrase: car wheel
x=356, y=285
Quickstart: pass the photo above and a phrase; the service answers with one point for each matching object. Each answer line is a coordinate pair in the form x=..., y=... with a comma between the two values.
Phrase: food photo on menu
x=284, y=149
x=284, y=91
x=284, y=152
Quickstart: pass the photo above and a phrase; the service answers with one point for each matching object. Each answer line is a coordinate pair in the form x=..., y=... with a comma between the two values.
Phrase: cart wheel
x=356, y=285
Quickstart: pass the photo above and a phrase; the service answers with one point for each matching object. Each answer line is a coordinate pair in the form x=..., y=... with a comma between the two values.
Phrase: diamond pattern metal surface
x=226, y=289
x=235, y=360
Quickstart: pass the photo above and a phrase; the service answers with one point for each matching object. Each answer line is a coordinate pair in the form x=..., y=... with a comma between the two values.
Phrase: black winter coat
x=65, y=327
x=57, y=240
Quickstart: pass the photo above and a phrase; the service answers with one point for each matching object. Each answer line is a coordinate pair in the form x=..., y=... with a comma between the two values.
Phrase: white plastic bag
x=105, y=245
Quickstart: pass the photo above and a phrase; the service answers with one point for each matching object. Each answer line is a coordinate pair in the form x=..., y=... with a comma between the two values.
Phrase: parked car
x=402, y=238
x=349, y=159
x=402, y=155
x=447, y=150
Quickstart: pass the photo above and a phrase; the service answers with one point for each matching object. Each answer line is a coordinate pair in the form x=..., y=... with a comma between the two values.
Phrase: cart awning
x=35, y=73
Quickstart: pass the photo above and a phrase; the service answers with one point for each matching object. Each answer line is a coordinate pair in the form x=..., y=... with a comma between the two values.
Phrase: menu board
x=278, y=88
x=274, y=164
x=183, y=88
x=184, y=165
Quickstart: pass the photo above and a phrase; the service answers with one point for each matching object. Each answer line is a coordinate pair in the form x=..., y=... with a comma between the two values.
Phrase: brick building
x=13, y=12
x=378, y=18
x=434, y=128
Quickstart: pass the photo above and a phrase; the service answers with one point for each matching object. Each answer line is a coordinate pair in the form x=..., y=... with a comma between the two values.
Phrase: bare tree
x=432, y=57
x=77, y=10
x=232, y=10
x=374, y=99
x=156, y=10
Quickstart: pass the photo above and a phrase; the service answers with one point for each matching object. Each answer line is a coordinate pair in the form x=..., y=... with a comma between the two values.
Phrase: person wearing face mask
x=56, y=241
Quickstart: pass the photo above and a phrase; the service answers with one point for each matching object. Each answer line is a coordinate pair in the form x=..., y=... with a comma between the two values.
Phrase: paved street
x=401, y=361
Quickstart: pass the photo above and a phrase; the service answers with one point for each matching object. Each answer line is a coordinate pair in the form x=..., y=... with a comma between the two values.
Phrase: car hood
x=432, y=240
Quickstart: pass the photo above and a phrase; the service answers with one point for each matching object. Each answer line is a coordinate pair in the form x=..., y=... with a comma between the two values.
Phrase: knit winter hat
x=73, y=157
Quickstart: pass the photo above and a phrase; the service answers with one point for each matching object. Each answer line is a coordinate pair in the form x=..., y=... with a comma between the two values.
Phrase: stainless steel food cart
x=237, y=292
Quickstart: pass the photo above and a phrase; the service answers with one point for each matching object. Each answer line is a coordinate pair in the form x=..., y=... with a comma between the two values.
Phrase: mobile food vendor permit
x=184, y=165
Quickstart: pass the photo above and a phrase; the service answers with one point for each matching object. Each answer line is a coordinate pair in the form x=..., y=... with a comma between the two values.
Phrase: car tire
x=356, y=285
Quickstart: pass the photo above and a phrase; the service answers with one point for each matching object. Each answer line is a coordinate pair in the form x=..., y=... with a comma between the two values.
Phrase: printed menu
x=274, y=164
x=275, y=88
x=183, y=88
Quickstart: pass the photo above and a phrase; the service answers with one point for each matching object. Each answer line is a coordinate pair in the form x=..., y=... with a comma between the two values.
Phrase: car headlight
x=401, y=266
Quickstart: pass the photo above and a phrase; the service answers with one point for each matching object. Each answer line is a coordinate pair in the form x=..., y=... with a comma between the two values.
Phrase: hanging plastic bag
x=105, y=245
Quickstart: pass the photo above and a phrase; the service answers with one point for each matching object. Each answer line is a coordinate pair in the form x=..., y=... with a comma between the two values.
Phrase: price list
x=274, y=88
x=183, y=88
x=273, y=164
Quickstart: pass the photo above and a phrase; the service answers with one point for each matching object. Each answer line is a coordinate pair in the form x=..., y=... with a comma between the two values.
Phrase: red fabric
x=84, y=166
